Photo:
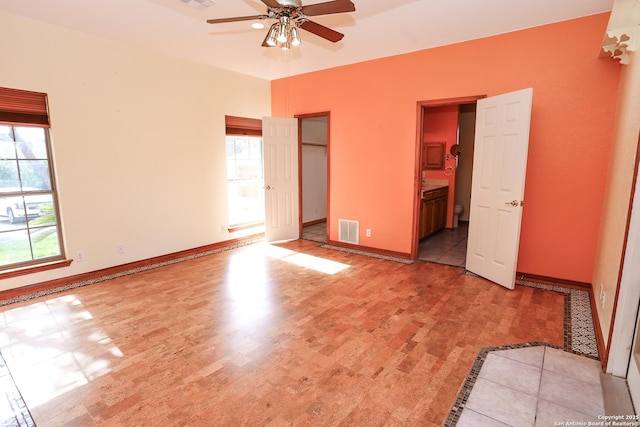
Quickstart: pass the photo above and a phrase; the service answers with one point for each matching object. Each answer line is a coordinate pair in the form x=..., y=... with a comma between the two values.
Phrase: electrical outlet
x=368, y=232
x=120, y=248
x=80, y=256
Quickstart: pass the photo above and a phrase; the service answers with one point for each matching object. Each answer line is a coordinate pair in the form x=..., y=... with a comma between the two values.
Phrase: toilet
x=457, y=210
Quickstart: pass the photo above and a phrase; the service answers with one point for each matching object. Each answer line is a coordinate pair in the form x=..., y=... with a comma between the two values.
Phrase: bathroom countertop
x=430, y=187
x=434, y=184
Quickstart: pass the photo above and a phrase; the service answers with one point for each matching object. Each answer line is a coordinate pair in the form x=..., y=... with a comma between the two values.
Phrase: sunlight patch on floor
x=321, y=265
x=315, y=263
x=247, y=287
x=38, y=364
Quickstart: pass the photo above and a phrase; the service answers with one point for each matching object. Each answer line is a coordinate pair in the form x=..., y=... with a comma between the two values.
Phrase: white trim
x=628, y=298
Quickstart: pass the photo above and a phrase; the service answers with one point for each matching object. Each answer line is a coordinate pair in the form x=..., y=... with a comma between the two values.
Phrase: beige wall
x=138, y=142
x=618, y=192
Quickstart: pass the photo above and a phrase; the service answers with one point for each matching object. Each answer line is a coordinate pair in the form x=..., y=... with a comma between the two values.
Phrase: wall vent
x=349, y=231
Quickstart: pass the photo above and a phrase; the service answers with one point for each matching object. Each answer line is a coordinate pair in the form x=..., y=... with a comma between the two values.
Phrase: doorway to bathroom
x=448, y=125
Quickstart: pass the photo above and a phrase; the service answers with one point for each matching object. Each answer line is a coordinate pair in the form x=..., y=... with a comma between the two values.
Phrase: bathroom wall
x=440, y=124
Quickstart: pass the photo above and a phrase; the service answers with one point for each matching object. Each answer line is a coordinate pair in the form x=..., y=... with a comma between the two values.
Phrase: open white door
x=280, y=140
x=497, y=187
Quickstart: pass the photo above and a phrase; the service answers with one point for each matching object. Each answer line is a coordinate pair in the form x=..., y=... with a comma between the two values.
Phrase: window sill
x=30, y=269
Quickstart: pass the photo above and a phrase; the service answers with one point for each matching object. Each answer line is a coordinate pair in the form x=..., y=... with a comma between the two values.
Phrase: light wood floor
x=266, y=335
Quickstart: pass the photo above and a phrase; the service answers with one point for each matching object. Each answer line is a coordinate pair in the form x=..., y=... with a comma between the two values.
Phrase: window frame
x=18, y=109
x=235, y=226
x=244, y=127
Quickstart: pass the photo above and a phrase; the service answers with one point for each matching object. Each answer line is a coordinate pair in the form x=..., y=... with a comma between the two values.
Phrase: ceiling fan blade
x=336, y=6
x=322, y=31
x=236, y=19
x=272, y=3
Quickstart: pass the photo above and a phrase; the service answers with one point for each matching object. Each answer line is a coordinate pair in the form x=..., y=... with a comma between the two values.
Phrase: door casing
x=618, y=356
x=417, y=194
x=300, y=117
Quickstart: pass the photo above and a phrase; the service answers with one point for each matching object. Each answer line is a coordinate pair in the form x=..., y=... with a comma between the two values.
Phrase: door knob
x=268, y=187
x=514, y=203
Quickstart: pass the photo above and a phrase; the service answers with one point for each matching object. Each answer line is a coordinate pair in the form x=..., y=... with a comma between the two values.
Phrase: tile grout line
x=535, y=416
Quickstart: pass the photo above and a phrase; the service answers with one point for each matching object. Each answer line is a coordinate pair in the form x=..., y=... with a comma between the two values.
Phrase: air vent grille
x=349, y=231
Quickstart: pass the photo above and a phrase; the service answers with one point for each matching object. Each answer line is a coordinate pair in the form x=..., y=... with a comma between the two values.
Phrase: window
x=245, y=179
x=29, y=226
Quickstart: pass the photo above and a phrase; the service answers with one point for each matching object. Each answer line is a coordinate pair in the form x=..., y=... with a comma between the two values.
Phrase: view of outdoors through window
x=29, y=229
x=245, y=180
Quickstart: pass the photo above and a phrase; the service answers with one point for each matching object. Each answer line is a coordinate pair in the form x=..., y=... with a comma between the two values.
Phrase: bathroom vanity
x=433, y=211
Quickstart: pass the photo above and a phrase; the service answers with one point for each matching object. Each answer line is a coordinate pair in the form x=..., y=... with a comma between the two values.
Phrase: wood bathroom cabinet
x=433, y=155
x=433, y=212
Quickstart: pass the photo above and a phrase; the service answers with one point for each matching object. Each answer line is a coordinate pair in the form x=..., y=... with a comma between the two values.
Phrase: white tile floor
x=448, y=246
x=315, y=232
x=535, y=386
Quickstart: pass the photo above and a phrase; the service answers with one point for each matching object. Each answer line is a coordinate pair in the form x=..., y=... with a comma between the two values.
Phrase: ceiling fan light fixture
x=283, y=31
x=295, y=37
x=282, y=34
x=271, y=37
x=291, y=16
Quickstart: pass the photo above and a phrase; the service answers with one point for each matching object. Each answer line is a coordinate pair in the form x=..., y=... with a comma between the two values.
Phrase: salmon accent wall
x=373, y=134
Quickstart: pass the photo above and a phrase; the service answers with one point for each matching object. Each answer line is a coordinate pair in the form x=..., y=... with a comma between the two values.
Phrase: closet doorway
x=313, y=138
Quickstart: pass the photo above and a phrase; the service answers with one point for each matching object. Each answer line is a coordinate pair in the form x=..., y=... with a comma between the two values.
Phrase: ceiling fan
x=291, y=15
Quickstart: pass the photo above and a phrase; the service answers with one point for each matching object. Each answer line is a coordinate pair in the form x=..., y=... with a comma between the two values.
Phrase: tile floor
x=449, y=246
x=316, y=232
x=13, y=410
x=534, y=386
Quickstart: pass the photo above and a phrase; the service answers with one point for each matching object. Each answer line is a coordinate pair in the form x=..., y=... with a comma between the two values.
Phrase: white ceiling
x=377, y=28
